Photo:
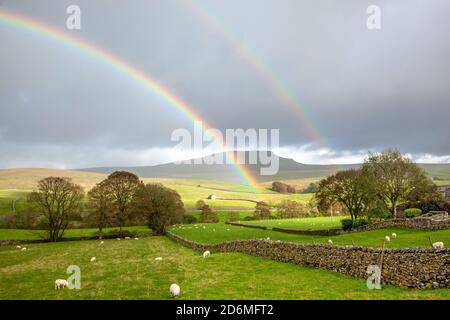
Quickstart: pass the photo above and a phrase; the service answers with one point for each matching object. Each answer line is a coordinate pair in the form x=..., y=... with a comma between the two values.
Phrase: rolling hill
x=288, y=170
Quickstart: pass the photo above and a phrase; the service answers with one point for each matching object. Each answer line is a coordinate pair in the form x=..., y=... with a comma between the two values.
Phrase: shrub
x=446, y=206
x=378, y=213
x=359, y=223
x=413, y=212
x=189, y=219
x=199, y=204
x=347, y=224
x=233, y=216
x=208, y=215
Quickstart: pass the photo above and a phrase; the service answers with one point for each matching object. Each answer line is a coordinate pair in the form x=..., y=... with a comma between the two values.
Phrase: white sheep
x=102, y=242
x=93, y=259
x=127, y=238
x=18, y=247
x=61, y=283
x=394, y=236
x=174, y=290
x=158, y=258
x=268, y=238
x=438, y=245
x=387, y=239
x=206, y=254
x=330, y=241
x=118, y=239
x=136, y=238
x=24, y=249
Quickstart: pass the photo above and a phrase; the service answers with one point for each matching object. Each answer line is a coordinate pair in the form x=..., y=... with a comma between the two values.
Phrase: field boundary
x=409, y=268
x=416, y=224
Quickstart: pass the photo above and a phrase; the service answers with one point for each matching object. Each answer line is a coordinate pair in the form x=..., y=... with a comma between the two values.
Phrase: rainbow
x=36, y=27
x=256, y=62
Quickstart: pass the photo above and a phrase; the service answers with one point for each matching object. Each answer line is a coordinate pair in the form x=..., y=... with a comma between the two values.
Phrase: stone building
x=445, y=191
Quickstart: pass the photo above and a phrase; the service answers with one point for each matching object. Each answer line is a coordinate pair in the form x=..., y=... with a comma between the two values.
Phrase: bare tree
x=56, y=199
x=100, y=206
x=121, y=187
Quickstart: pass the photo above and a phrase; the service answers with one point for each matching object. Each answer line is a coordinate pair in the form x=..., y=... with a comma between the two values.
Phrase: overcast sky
x=360, y=89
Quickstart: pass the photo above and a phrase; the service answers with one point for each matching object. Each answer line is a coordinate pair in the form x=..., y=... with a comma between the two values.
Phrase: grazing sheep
x=118, y=239
x=23, y=249
x=18, y=247
x=127, y=238
x=206, y=254
x=93, y=259
x=438, y=245
x=102, y=242
x=394, y=235
x=174, y=290
x=387, y=239
x=158, y=258
x=136, y=238
x=330, y=241
x=228, y=229
x=268, y=238
x=61, y=283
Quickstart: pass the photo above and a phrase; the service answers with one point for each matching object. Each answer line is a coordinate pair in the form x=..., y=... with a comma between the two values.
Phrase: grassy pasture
x=318, y=223
x=219, y=232
x=128, y=270
x=22, y=234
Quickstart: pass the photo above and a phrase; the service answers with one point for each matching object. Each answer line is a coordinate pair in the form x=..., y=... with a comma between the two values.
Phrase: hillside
x=288, y=170
x=26, y=178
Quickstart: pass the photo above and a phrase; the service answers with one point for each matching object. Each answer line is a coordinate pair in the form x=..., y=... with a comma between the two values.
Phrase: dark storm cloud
x=362, y=89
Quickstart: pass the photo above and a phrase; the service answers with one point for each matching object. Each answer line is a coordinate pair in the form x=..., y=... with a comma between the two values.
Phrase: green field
x=220, y=232
x=128, y=270
x=319, y=223
x=22, y=234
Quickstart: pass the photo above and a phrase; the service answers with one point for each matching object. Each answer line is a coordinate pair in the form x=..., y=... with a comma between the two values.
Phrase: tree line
x=117, y=200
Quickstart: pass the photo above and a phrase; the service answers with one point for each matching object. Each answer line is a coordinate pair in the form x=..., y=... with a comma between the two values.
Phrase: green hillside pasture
x=191, y=194
x=8, y=196
x=22, y=234
x=220, y=232
x=223, y=215
x=318, y=223
x=128, y=270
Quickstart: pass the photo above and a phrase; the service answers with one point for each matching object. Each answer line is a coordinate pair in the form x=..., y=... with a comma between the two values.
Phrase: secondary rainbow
x=25, y=23
x=264, y=71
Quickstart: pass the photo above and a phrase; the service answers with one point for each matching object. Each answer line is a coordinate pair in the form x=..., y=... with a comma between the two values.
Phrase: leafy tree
x=262, y=211
x=396, y=178
x=208, y=215
x=99, y=206
x=281, y=187
x=56, y=199
x=349, y=188
x=161, y=206
x=292, y=209
x=199, y=204
x=311, y=188
x=121, y=187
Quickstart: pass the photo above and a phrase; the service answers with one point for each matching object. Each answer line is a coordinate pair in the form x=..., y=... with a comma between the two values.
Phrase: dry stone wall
x=409, y=268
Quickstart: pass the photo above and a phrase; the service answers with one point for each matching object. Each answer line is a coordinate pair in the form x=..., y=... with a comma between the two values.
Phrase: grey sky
x=364, y=90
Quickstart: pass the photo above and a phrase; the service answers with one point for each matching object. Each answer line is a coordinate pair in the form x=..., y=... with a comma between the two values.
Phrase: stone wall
x=417, y=223
x=409, y=268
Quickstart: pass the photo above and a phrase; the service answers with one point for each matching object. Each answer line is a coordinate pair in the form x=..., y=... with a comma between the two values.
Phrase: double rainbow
x=36, y=27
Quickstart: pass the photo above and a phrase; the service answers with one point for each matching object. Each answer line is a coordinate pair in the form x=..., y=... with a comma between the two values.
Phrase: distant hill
x=288, y=170
x=27, y=178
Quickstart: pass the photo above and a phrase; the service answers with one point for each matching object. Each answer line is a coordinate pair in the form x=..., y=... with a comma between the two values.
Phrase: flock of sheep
x=175, y=289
